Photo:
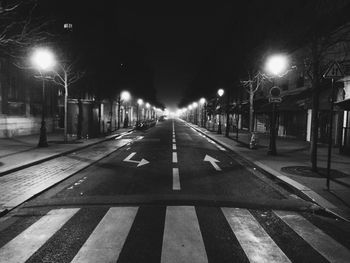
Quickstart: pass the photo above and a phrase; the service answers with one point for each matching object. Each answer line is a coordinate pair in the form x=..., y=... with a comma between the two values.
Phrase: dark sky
x=176, y=38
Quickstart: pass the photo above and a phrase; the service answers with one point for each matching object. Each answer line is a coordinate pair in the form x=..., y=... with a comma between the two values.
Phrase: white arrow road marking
x=213, y=162
x=139, y=163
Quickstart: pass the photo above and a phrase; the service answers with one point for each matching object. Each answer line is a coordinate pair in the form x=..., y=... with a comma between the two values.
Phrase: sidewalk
x=21, y=152
x=28, y=170
x=292, y=166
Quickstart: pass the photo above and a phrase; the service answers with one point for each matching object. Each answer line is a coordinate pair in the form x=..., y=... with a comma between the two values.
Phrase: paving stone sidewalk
x=20, y=152
x=293, y=154
x=26, y=170
x=17, y=187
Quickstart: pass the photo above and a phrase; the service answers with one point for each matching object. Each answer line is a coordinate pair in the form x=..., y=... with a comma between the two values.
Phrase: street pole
x=137, y=115
x=119, y=117
x=272, y=146
x=65, y=106
x=330, y=136
x=43, y=135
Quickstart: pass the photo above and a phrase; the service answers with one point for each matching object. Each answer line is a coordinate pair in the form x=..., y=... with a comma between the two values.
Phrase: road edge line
x=304, y=191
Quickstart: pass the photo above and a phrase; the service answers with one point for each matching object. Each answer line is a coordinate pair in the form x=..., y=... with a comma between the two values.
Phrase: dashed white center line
x=174, y=157
x=176, y=179
x=176, y=176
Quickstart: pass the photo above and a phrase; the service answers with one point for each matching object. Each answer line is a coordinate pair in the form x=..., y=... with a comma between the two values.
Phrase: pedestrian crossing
x=170, y=234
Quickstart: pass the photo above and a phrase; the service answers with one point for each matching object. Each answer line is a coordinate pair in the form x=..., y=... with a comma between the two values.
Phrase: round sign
x=275, y=91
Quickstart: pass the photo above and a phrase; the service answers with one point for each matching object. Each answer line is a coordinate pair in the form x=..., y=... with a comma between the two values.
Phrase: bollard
x=254, y=140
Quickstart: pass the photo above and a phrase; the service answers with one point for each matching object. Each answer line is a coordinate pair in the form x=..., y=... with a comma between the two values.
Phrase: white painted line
x=321, y=242
x=174, y=146
x=139, y=163
x=174, y=140
x=29, y=241
x=107, y=240
x=256, y=243
x=182, y=240
x=176, y=179
x=212, y=161
x=174, y=157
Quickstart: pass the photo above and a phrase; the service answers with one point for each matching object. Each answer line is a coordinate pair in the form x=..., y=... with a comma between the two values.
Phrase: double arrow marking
x=213, y=162
x=139, y=163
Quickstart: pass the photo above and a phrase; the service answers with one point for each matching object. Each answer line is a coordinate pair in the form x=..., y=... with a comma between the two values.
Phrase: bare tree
x=318, y=57
x=66, y=76
x=251, y=86
x=20, y=28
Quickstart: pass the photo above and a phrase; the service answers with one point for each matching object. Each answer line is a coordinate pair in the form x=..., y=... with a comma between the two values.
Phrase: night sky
x=178, y=41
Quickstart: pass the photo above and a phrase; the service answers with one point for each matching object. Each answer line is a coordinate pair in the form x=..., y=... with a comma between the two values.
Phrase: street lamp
x=276, y=65
x=43, y=59
x=220, y=93
x=147, y=106
x=139, y=103
x=202, y=102
x=195, y=112
x=124, y=96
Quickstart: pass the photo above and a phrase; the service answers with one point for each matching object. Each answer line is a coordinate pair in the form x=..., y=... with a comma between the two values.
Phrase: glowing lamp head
x=202, y=101
x=276, y=64
x=43, y=59
x=147, y=105
x=189, y=107
x=125, y=95
x=139, y=102
x=221, y=92
x=194, y=105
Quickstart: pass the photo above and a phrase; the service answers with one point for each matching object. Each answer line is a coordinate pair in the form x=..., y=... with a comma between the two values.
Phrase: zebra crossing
x=169, y=234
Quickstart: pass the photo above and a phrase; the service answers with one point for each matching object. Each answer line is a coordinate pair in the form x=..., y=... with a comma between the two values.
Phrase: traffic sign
x=275, y=99
x=334, y=71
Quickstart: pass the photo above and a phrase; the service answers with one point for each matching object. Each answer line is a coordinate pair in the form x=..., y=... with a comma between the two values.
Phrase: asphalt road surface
x=171, y=195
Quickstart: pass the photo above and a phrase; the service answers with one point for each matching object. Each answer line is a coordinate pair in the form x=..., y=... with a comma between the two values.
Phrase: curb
x=304, y=191
x=110, y=137
x=25, y=198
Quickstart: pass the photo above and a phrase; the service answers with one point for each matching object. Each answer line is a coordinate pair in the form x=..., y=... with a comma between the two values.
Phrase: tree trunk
x=80, y=119
x=118, y=112
x=251, y=108
x=227, y=131
x=315, y=104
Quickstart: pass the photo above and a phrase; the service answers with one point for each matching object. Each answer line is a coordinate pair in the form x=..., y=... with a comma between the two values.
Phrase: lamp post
x=147, y=107
x=125, y=97
x=43, y=59
x=195, y=112
x=190, y=111
x=275, y=65
x=220, y=93
x=202, y=102
x=139, y=103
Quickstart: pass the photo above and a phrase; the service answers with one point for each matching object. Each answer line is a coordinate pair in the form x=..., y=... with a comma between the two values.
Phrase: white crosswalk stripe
x=256, y=243
x=25, y=244
x=182, y=241
x=182, y=237
x=324, y=244
x=107, y=240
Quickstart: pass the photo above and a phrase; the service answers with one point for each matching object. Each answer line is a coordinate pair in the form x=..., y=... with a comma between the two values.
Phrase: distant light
x=147, y=105
x=140, y=102
x=276, y=64
x=189, y=107
x=202, y=101
x=125, y=95
x=221, y=92
x=184, y=109
x=43, y=59
x=68, y=26
x=194, y=104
